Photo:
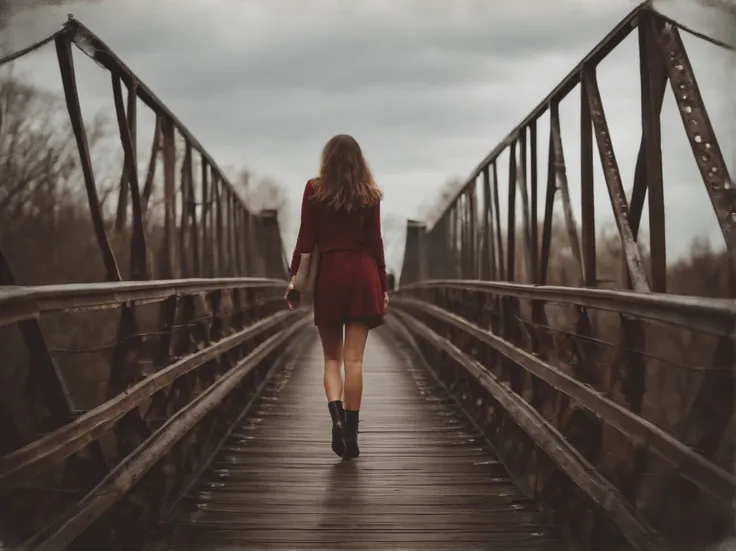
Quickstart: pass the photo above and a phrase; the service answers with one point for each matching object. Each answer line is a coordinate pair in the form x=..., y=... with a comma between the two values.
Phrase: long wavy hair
x=345, y=182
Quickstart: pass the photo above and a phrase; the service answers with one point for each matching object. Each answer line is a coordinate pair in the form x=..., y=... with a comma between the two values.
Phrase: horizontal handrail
x=19, y=303
x=710, y=315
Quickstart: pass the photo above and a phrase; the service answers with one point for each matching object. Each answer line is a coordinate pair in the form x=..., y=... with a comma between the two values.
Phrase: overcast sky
x=427, y=87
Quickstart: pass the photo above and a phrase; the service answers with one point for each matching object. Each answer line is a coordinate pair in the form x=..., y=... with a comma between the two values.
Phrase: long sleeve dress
x=351, y=277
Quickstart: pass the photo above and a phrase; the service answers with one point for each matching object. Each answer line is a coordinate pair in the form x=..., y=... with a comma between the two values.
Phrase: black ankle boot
x=338, y=426
x=351, y=435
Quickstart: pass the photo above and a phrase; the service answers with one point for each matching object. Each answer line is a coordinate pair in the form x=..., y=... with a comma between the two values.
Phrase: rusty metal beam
x=68, y=77
x=701, y=135
x=92, y=46
x=127, y=127
x=601, y=50
x=613, y=182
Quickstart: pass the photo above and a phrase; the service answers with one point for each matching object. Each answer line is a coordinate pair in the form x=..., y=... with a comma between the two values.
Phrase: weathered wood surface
x=422, y=480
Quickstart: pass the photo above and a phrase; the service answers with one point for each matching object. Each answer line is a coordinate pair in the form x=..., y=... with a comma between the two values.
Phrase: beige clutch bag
x=306, y=275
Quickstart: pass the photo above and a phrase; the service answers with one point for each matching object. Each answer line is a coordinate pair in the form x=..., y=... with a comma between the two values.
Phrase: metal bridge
x=501, y=412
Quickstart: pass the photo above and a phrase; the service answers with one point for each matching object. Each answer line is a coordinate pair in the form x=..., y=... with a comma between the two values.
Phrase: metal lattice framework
x=170, y=364
x=575, y=385
x=207, y=229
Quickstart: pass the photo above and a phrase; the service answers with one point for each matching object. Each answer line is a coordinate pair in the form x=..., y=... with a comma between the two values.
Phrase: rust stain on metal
x=614, y=184
x=700, y=132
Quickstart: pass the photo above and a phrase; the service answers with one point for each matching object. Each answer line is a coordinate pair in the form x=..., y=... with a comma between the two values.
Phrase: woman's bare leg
x=356, y=335
x=332, y=348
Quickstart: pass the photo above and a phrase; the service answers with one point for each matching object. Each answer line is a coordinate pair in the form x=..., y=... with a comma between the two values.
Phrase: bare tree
x=38, y=152
x=431, y=210
x=261, y=193
x=35, y=156
x=41, y=188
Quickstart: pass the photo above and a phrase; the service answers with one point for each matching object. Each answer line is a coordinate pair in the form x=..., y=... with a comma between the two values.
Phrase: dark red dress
x=351, y=277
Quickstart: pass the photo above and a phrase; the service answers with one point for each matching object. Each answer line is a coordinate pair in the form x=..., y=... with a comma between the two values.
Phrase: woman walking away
x=341, y=220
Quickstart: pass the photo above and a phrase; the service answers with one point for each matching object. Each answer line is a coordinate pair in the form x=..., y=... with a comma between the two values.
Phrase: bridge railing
x=170, y=379
x=115, y=395
x=615, y=408
x=562, y=381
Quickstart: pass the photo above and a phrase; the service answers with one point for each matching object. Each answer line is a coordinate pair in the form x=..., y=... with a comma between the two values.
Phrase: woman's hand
x=385, y=299
x=291, y=300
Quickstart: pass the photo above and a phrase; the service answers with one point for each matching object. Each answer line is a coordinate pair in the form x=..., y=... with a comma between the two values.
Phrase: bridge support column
x=269, y=261
x=415, y=255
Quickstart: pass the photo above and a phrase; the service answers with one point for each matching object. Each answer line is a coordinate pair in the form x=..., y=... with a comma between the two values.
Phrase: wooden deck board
x=423, y=480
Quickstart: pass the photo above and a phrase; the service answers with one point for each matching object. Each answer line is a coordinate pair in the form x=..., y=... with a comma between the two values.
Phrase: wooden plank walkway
x=422, y=480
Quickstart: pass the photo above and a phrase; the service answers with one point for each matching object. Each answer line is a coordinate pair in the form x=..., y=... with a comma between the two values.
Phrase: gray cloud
x=427, y=88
